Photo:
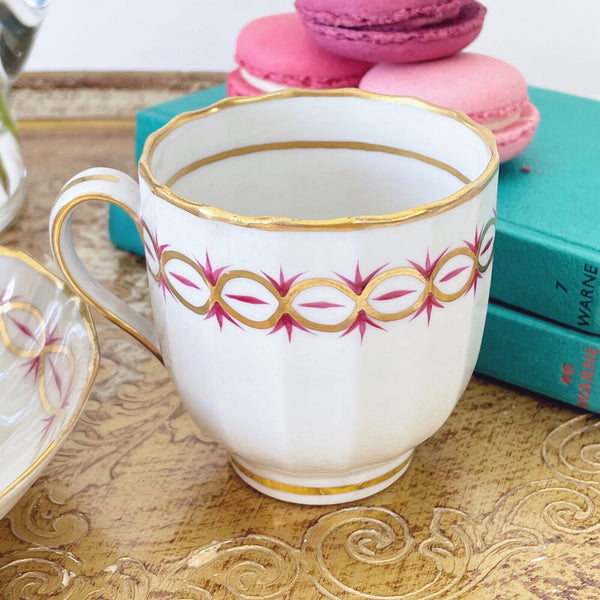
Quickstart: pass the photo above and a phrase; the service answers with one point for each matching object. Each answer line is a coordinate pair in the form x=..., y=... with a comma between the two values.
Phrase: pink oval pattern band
x=342, y=303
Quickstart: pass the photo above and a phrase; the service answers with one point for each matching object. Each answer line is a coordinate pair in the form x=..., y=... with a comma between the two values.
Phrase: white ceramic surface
x=322, y=343
x=48, y=361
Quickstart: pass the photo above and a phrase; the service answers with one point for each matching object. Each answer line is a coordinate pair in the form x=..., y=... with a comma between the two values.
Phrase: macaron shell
x=402, y=45
x=277, y=48
x=238, y=86
x=361, y=13
x=484, y=87
x=515, y=138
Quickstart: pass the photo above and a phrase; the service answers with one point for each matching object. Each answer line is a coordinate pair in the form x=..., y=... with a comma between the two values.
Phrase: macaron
x=392, y=30
x=275, y=53
x=490, y=91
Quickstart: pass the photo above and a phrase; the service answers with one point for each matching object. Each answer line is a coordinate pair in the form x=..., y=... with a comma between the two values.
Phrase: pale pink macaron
x=275, y=52
x=488, y=90
x=392, y=30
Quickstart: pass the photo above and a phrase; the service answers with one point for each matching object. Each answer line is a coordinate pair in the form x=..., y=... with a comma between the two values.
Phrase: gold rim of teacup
x=469, y=190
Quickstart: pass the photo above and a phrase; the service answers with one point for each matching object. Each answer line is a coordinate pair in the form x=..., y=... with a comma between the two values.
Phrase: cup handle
x=106, y=185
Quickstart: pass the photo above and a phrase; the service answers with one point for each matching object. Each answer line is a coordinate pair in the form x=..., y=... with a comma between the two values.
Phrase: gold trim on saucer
x=94, y=363
x=162, y=190
x=39, y=353
x=302, y=490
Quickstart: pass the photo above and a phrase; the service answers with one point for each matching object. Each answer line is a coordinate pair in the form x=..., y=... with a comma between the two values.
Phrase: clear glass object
x=19, y=23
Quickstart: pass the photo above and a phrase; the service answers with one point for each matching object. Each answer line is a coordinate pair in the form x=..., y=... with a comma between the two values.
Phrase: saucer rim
x=92, y=371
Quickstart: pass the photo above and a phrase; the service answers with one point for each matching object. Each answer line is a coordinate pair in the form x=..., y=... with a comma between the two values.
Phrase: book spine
x=541, y=356
x=547, y=277
x=123, y=231
x=121, y=228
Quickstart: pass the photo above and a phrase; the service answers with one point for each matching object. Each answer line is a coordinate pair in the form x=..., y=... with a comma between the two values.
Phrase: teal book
x=121, y=228
x=547, y=253
x=541, y=356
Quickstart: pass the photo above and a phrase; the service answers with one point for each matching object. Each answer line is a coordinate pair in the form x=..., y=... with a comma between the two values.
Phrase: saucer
x=49, y=359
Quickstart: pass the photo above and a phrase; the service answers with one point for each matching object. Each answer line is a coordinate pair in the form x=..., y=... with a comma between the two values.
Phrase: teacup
x=319, y=267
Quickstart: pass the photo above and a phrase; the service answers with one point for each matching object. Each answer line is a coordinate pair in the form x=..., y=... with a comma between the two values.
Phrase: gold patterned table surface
x=503, y=502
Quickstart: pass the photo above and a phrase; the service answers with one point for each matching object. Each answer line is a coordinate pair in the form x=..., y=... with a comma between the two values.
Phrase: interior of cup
x=320, y=156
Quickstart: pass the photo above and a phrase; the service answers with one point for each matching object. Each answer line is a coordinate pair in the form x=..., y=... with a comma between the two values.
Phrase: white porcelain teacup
x=319, y=271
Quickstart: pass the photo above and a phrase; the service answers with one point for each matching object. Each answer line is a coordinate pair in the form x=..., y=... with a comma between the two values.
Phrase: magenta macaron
x=488, y=90
x=392, y=30
x=275, y=53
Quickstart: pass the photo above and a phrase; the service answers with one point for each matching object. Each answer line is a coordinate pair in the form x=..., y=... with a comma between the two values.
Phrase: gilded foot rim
x=324, y=490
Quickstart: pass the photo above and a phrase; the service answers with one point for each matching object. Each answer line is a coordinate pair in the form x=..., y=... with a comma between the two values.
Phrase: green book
x=543, y=323
x=547, y=252
x=541, y=356
x=121, y=228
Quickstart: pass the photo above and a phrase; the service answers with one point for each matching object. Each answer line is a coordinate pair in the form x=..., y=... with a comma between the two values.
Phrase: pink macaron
x=402, y=31
x=488, y=90
x=275, y=52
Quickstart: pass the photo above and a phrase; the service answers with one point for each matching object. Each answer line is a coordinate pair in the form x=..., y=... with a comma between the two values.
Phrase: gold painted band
x=85, y=178
x=484, y=267
x=285, y=303
x=302, y=490
x=467, y=192
x=4, y=335
x=316, y=145
x=66, y=352
x=93, y=366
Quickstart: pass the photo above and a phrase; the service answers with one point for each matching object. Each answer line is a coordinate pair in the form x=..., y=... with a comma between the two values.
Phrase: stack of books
x=543, y=325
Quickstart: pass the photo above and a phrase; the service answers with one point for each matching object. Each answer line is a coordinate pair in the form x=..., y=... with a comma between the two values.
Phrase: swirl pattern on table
x=43, y=517
x=348, y=554
x=573, y=449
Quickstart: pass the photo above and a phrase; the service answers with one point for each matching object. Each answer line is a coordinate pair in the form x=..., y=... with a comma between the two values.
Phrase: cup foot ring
x=328, y=490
